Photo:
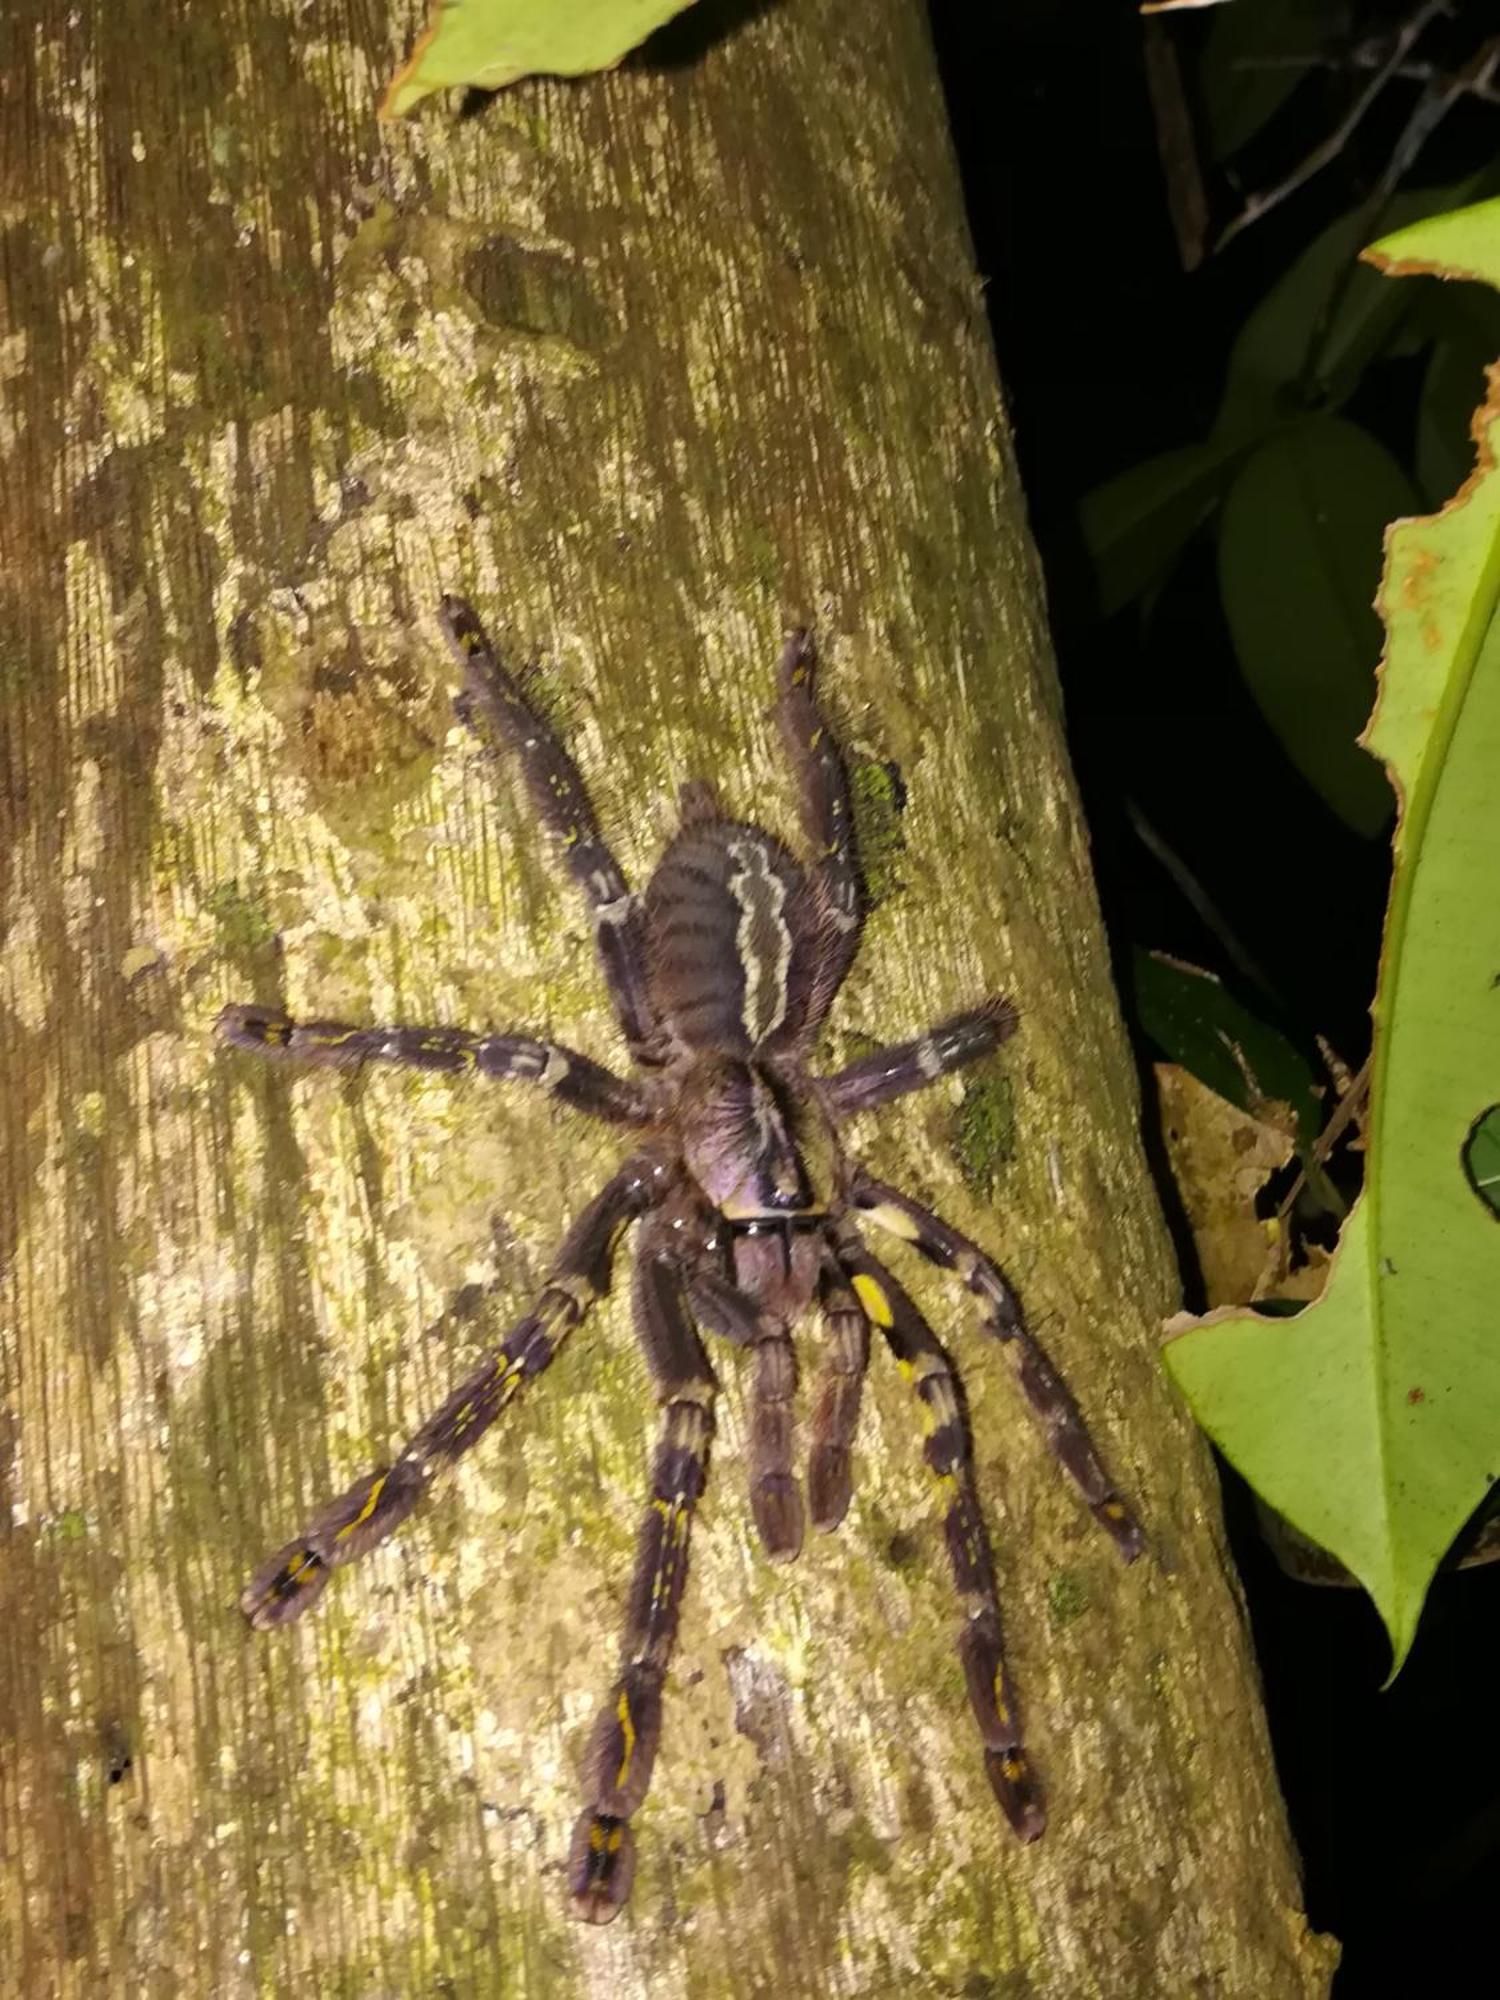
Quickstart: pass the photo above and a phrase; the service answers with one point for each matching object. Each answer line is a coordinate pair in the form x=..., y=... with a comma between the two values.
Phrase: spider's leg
x=289, y=1582
x=903, y=1066
x=1000, y=1312
x=622, y=1748
x=557, y=792
x=572, y=1078
x=922, y=1360
x=775, y=1497
x=827, y=820
x=836, y=1398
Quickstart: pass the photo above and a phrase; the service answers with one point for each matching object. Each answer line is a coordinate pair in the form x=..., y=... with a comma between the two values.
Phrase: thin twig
x=1482, y=87
x=1329, y=148
x=1429, y=111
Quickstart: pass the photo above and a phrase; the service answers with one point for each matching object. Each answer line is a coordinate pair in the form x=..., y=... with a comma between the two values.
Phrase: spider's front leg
x=286, y=1585
x=1046, y=1393
x=622, y=1749
x=562, y=804
x=570, y=1077
x=925, y=1365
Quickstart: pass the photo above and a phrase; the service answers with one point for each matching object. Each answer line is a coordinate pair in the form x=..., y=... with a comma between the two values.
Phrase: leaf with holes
x=490, y=43
x=1371, y=1420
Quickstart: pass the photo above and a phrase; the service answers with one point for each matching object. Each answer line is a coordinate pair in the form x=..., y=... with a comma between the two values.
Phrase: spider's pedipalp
x=492, y=693
x=905, y=1066
x=836, y=1398
x=292, y=1580
x=924, y=1363
x=565, y=1074
x=622, y=1748
x=775, y=1497
x=1046, y=1393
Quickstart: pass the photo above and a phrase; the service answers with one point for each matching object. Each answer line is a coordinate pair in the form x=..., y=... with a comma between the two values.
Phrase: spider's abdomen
x=732, y=936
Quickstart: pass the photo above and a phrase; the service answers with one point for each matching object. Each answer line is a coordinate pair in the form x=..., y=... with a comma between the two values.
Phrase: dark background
x=1110, y=352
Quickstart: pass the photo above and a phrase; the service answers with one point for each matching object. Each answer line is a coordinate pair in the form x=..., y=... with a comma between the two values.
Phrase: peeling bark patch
x=536, y=292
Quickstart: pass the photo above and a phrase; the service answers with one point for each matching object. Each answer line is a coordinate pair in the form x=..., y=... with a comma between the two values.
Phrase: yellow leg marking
x=872, y=1297
x=627, y=1728
x=1014, y=1768
x=297, y=1571
x=895, y=1221
x=1002, y=1706
x=1116, y=1509
x=366, y=1511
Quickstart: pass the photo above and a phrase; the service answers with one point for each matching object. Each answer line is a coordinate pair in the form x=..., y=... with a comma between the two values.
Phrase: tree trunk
x=643, y=365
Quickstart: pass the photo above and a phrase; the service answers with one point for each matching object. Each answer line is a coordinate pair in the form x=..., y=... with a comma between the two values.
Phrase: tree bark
x=644, y=365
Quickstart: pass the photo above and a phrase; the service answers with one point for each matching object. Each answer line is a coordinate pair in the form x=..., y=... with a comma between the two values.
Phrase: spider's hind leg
x=622, y=1749
x=925, y=1365
x=827, y=817
x=561, y=802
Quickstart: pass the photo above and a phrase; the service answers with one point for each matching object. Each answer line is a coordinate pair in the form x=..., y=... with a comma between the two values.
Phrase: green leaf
x=1299, y=560
x=1268, y=374
x=490, y=43
x=1196, y=1021
x=1482, y=1158
x=1464, y=322
x=1248, y=70
x=1372, y=1420
x=1137, y=524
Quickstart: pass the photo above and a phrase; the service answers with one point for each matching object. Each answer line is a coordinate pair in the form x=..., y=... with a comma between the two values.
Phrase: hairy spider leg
x=570, y=1077
x=775, y=1498
x=623, y=1746
x=836, y=1398
x=904, y=1066
x=925, y=1365
x=827, y=819
x=291, y=1580
x=557, y=792
x=1000, y=1313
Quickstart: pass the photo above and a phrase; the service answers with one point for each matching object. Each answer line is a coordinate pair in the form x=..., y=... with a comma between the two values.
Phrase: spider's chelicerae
x=749, y=1209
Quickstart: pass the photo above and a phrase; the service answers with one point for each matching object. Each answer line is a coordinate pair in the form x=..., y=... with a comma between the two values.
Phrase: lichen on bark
x=646, y=365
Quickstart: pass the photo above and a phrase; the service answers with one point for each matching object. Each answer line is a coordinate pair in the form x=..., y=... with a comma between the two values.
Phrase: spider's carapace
x=748, y=1210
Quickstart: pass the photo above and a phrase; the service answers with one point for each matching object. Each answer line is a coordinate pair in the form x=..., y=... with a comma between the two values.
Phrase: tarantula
x=721, y=976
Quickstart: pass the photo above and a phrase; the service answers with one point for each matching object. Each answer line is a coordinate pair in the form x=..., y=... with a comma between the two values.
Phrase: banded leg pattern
x=906, y=1066
x=492, y=693
x=925, y=1365
x=836, y=1399
x=291, y=1581
x=1047, y=1395
x=570, y=1077
x=827, y=818
x=622, y=1749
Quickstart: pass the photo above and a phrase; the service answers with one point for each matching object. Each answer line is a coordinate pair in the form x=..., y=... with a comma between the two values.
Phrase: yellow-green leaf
x=1372, y=1419
x=489, y=43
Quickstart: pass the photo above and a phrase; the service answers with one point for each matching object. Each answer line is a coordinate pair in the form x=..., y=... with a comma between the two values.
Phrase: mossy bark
x=644, y=365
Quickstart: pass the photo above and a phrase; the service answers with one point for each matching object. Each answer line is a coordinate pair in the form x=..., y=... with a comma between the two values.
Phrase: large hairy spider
x=721, y=977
